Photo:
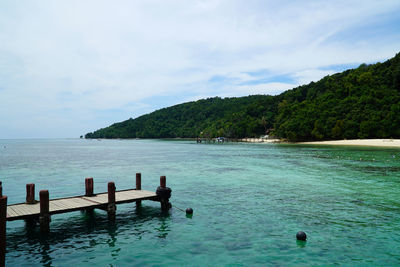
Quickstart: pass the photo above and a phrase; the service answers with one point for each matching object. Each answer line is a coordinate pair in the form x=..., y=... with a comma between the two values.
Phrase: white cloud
x=88, y=57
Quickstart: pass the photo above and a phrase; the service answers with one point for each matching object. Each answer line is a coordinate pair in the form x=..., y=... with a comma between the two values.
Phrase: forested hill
x=357, y=103
x=233, y=117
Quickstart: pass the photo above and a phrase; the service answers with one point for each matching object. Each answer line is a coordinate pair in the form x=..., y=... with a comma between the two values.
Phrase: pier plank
x=55, y=206
x=25, y=209
x=59, y=204
x=91, y=200
x=15, y=210
x=64, y=202
x=99, y=198
x=80, y=202
x=11, y=212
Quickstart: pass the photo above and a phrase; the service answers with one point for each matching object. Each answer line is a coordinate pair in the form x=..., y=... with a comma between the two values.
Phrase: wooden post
x=111, y=207
x=1, y=188
x=163, y=181
x=164, y=194
x=3, y=226
x=138, y=186
x=44, y=218
x=30, y=193
x=111, y=192
x=138, y=181
x=89, y=187
x=89, y=192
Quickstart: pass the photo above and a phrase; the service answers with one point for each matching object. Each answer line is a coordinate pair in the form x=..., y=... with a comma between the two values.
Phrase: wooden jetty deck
x=41, y=211
x=62, y=205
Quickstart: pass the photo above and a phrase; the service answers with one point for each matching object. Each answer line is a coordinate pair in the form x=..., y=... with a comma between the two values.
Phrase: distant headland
x=360, y=103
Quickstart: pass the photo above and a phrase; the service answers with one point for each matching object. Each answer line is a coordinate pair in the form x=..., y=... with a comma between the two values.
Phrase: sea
x=249, y=201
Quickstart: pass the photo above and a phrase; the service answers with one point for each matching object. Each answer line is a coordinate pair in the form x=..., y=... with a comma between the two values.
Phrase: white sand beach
x=359, y=142
x=353, y=142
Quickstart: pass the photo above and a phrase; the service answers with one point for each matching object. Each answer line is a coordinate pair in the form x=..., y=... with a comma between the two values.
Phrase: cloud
x=69, y=67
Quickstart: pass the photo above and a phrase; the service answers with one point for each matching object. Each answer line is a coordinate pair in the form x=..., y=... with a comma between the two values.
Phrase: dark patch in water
x=226, y=169
x=357, y=201
x=238, y=246
x=381, y=169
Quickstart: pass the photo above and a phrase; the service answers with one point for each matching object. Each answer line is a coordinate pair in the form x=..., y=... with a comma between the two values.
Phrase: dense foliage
x=230, y=117
x=357, y=103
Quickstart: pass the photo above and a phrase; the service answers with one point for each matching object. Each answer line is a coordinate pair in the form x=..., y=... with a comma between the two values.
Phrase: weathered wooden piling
x=138, y=186
x=138, y=181
x=3, y=226
x=89, y=187
x=164, y=193
x=30, y=193
x=44, y=217
x=1, y=188
x=111, y=207
x=163, y=181
x=89, y=192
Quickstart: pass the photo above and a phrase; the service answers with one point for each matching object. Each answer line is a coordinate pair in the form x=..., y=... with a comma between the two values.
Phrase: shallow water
x=249, y=201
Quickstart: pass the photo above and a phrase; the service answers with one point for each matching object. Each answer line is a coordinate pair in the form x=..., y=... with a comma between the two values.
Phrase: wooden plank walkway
x=62, y=205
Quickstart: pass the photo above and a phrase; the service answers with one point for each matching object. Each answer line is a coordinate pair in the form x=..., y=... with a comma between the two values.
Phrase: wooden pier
x=69, y=204
x=42, y=210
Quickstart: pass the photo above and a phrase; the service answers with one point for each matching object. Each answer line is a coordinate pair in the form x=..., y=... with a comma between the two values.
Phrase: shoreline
x=358, y=142
x=395, y=143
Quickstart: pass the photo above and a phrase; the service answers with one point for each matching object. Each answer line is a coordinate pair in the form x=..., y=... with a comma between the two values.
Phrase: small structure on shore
x=209, y=140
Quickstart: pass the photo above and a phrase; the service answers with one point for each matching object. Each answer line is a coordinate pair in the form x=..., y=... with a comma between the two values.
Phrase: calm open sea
x=249, y=201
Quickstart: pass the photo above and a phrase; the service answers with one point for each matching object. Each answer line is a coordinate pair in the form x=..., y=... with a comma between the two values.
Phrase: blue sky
x=71, y=67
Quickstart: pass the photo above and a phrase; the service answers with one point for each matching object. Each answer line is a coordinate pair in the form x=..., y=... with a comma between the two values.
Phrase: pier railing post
x=111, y=207
x=3, y=226
x=44, y=218
x=30, y=193
x=138, y=186
x=164, y=194
x=89, y=187
x=163, y=181
x=138, y=181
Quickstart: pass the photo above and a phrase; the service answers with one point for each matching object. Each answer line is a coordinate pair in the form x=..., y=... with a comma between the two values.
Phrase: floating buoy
x=301, y=236
x=189, y=211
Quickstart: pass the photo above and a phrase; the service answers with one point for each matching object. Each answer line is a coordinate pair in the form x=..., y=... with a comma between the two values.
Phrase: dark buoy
x=189, y=211
x=301, y=236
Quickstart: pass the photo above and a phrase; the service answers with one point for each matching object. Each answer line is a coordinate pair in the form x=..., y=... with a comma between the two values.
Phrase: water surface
x=249, y=201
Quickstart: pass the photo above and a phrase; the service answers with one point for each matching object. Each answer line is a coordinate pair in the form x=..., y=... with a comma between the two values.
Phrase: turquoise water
x=249, y=201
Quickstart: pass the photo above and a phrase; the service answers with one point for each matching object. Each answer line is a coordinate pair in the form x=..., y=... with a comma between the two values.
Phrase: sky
x=70, y=67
